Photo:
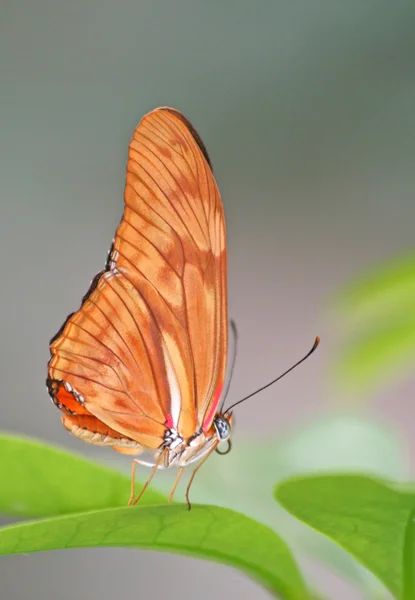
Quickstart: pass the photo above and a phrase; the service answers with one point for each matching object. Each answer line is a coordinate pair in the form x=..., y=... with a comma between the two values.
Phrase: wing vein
x=171, y=204
x=184, y=195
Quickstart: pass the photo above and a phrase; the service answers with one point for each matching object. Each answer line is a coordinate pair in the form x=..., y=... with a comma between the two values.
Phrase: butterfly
x=141, y=366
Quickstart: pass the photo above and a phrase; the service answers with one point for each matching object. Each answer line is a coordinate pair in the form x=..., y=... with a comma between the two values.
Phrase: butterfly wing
x=147, y=349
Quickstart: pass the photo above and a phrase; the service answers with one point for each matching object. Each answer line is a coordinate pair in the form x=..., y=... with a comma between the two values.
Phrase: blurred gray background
x=307, y=111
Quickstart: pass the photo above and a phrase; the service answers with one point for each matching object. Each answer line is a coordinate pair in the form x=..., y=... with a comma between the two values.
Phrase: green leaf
x=208, y=532
x=409, y=560
x=377, y=317
x=38, y=480
x=365, y=516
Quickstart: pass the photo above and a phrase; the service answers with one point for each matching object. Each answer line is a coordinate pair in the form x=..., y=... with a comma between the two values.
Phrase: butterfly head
x=223, y=427
x=222, y=424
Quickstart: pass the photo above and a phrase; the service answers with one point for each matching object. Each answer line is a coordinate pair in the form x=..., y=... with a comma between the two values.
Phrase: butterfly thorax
x=179, y=452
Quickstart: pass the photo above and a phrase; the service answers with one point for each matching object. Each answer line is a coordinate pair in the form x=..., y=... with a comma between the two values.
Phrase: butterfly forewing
x=146, y=351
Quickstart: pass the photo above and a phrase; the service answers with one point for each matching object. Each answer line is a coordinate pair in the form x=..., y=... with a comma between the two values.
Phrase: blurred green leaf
x=38, y=480
x=377, y=317
x=365, y=516
x=208, y=532
x=381, y=357
x=378, y=293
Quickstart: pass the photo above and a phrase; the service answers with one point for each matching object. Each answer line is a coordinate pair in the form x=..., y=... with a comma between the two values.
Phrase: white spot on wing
x=175, y=396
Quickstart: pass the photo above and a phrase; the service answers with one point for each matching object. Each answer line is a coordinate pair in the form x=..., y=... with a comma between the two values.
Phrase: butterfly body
x=140, y=367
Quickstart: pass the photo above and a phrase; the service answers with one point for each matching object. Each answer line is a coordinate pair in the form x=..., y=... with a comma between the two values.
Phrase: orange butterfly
x=141, y=365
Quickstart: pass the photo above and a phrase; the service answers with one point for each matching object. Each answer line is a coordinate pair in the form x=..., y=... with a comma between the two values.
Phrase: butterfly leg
x=195, y=471
x=132, y=494
x=173, y=489
x=160, y=459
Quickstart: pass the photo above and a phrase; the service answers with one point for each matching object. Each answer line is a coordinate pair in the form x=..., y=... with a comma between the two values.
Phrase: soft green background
x=307, y=111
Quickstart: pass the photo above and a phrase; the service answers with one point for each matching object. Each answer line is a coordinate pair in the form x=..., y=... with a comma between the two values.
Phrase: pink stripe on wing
x=212, y=411
x=169, y=422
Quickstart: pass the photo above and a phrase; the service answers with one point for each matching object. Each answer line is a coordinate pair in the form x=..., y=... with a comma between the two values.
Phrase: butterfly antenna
x=233, y=353
x=316, y=343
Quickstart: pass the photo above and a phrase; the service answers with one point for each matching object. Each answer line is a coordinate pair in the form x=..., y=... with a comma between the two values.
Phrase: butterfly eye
x=223, y=428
